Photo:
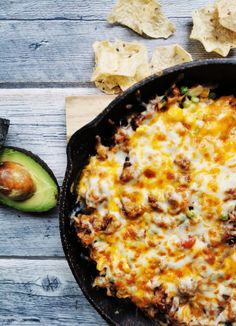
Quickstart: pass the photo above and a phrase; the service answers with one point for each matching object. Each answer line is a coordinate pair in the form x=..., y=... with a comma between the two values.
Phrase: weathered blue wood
x=37, y=124
x=42, y=292
x=50, y=41
x=36, y=289
x=87, y=9
x=61, y=50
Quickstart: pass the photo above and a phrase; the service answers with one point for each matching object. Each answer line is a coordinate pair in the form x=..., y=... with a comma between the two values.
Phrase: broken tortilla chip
x=119, y=65
x=142, y=16
x=227, y=13
x=168, y=56
x=208, y=30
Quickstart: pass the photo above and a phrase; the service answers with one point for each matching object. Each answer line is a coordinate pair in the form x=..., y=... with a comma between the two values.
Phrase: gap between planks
x=63, y=258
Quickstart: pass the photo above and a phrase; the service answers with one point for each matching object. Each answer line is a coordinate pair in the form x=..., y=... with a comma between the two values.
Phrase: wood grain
x=87, y=9
x=38, y=290
x=82, y=109
x=49, y=42
x=37, y=124
x=57, y=51
x=34, y=292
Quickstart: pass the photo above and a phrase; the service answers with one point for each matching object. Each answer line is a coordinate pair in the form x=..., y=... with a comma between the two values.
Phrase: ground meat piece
x=232, y=216
x=84, y=230
x=153, y=202
x=127, y=173
x=174, y=95
x=111, y=290
x=227, y=316
x=101, y=150
x=161, y=299
x=121, y=136
x=232, y=102
x=184, y=181
x=182, y=162
x=88, y=225
x=131, y=209
x=231, y=315
x=122, y=139
x=107, y=220
x=187, y=287
x=175, y=91
x=149, y=173
x=110, y=224
x=151, y=311
x=131, y=234
x=177, y=201
x=210, y=255
x=95, y=197
x=230, y=228
x=137, y=121
x=173, y=200
x=230, y=194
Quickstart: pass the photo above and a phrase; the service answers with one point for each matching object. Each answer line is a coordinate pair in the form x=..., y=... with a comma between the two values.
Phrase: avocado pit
x=16, y=182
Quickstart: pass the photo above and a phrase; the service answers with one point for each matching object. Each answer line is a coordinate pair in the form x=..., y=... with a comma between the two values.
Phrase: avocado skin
x=46, y=185
x=4, y=126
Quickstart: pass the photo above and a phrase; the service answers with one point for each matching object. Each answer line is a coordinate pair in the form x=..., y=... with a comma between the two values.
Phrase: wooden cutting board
x=82, y=109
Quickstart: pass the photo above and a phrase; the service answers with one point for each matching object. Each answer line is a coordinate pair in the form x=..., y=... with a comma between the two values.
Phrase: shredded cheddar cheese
x=162, y=211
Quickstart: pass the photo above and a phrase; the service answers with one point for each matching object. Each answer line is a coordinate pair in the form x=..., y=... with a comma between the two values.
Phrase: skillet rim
x=92, y=125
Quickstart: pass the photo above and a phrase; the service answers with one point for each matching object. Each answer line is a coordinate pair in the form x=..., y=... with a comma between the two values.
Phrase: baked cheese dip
x=159, y=214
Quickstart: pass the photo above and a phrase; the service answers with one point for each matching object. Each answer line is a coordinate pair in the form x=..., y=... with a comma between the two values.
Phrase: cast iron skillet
x=220, y=73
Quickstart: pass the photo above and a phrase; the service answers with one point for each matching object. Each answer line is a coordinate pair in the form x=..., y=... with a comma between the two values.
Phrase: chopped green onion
x=187, y=104
x=182, y=219
x=212, y=95
x=195, y=99
x=224, y=217
x=163, y=102
x=183, y=90
x=190, y=214
x=111, y=280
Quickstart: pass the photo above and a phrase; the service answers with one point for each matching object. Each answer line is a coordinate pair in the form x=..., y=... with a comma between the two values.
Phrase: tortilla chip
x=168, y=56
x=208, y=30
x=227, y=13
x=108, y=85
x=142, y=16
x=119, y=65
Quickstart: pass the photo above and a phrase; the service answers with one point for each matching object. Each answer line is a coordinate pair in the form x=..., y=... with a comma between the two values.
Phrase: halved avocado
x=26, y=182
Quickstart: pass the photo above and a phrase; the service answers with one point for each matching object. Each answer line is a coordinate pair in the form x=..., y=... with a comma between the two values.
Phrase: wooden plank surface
x=87, y=9
x=37, y=124
x=82, y=109
x=51, y=41
x=42, y=292
x=36, y=284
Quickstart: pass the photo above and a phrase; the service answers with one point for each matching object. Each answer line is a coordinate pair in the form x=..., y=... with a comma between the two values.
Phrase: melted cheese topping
x=161, y=200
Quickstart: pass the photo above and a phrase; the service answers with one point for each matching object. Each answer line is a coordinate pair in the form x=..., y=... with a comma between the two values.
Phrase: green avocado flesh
x=45, y=195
